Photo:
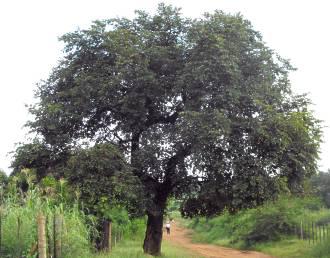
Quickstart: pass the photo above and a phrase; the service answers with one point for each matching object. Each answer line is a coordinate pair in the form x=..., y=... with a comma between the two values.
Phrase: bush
x=268, y=222
x=270, y=227
x=323, y=221
x=321, y=186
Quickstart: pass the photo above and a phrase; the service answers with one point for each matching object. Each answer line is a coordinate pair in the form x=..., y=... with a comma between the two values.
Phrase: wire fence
x=49, y=238
x=313, y=232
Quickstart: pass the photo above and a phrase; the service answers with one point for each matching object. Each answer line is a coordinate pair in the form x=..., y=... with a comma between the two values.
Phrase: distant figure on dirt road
x=168, y=227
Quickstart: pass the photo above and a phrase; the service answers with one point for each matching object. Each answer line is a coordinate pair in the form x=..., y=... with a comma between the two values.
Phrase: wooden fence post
x=42, y=247
x=50, y=250
x=301, y=230
x=19, y=225
x=107, y=234
x=309, y=233
x=58, y=222
x=110, y=235
x=313, y=231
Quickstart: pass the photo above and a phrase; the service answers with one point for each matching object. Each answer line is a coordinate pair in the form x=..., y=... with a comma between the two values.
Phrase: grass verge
x=133, y=249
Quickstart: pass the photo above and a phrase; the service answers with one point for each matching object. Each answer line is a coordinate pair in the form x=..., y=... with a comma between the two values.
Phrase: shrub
x=321, y=186
x=270, y=227
x=268, y=222
x=323, y=221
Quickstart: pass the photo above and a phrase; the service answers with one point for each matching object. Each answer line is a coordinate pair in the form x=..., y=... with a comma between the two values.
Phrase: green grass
x=321, y=250
x=286, y=248
x=294, y=248
x=133, y=249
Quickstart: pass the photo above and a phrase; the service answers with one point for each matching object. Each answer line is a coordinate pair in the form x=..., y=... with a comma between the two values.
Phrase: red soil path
x=181, y=237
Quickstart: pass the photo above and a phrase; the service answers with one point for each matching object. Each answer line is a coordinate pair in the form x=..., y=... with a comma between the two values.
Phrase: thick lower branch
x=171, y=166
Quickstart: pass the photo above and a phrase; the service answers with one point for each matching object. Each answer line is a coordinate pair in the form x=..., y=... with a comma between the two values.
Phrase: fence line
x=312, y=232
x=50, y=245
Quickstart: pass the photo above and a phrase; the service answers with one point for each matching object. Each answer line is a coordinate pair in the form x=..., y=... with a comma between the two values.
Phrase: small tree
x=40, y=156
x=199, y=108
x=104, y=179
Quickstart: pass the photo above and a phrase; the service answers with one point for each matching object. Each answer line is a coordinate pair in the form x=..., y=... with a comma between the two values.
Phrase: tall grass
x=19, y=226
x=19, y=211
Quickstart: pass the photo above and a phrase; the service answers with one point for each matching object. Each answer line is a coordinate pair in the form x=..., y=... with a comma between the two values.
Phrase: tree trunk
x=106, y=237
x=154, y=233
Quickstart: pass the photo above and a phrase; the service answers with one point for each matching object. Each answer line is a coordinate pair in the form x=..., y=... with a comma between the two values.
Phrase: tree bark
x=154, y=232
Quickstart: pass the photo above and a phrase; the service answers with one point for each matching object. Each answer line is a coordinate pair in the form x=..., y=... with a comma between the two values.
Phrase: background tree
x=195, y=105
x=3, y=184
x=320, y=184
x=3, y=177
x=41, y=157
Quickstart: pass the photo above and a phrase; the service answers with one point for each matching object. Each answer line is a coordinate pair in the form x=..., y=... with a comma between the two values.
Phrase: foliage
x=172, y=208
x=321, y=186
x=3, y=184
x=20, y=209
x=76, y=236
x=104, y=180
x=180, y=95
x=202, y=108
x=3, y=178
x=19, y=227
x=98, y=175
x=270, y=227
x=272, y=221
x=41, y=157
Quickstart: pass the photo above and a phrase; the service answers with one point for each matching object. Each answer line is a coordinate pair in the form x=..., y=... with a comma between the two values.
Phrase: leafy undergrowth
x=269, y=228
x=321, y=250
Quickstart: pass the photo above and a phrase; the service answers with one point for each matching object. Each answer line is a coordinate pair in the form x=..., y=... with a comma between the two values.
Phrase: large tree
x=201, y=109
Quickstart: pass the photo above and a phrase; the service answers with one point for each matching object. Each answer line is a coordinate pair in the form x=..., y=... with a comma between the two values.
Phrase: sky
x=29, y=48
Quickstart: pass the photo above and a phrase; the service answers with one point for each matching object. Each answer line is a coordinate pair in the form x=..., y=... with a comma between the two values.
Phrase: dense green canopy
x=102, y=176
x=202, y=108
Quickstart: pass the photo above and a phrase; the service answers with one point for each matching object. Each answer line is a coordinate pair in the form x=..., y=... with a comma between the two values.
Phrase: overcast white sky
x=296, y=29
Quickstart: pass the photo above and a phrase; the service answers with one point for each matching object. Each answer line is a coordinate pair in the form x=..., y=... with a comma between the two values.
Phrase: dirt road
x=180, y=237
